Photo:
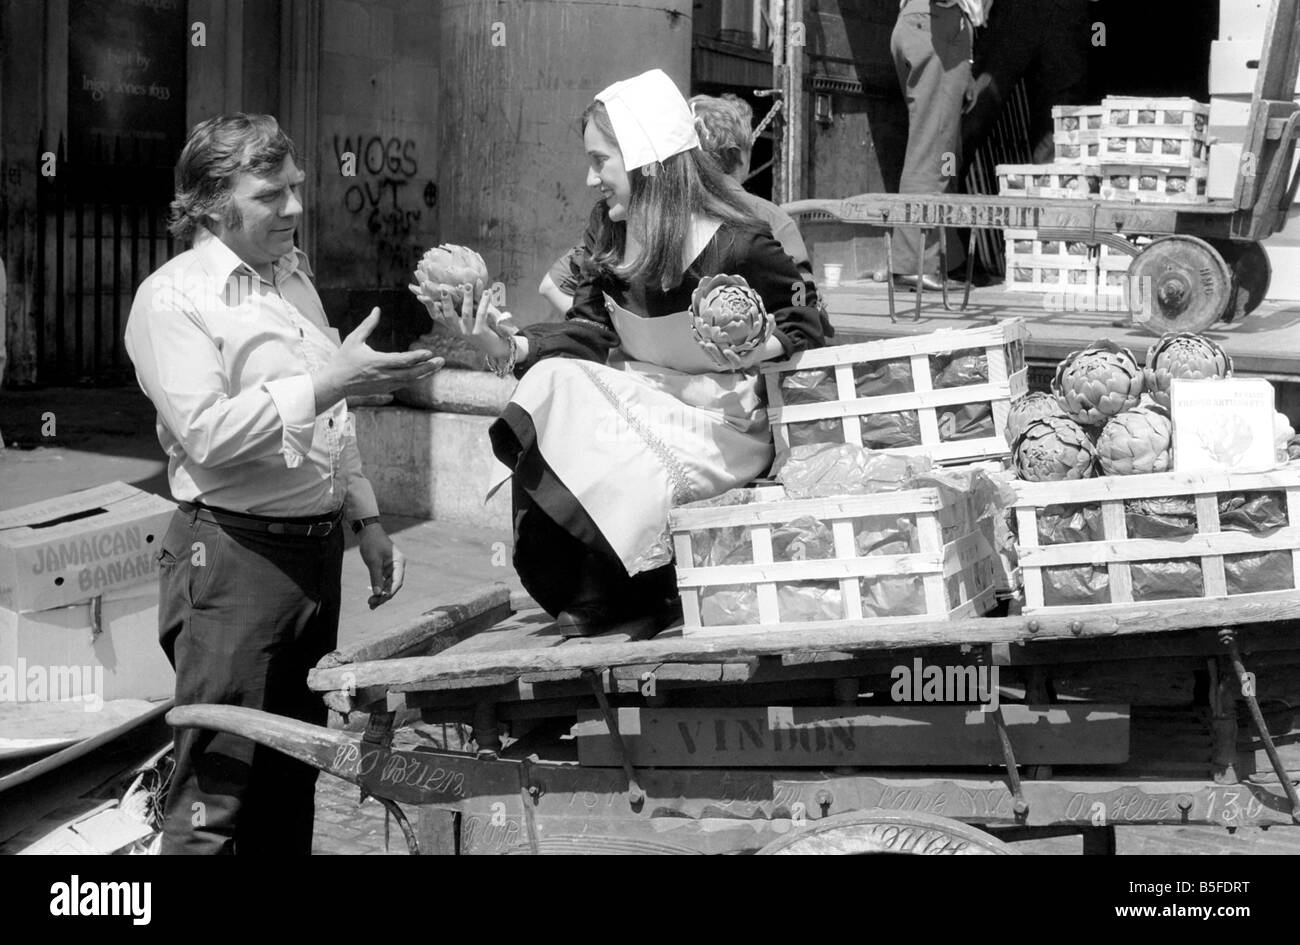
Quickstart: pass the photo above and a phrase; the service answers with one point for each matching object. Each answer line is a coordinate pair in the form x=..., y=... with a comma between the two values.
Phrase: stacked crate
x=1077, y=133
x=1147, y=150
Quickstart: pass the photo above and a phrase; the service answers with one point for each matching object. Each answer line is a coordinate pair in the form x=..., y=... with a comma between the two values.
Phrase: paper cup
x=831, y=273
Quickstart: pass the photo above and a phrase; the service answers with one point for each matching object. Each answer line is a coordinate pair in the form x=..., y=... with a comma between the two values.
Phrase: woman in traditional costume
x=624, y=410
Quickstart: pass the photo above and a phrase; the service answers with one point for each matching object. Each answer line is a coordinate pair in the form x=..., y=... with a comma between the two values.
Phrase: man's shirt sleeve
x=181, y=370
x=360, y=501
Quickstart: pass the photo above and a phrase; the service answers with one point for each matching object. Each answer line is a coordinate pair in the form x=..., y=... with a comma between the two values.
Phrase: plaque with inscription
x=126, y=81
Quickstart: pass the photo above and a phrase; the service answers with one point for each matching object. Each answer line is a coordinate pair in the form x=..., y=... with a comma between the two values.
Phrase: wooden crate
x=1070, y=181
x=1152, y=184
x=953, y=561
x=1117, y=553
x=1057, y=266
x=1161, y=131
x=1077, y=133
x=1112, y=276
x=834, y=412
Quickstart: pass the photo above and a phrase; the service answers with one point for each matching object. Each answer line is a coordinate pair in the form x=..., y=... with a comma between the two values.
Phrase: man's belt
x=310, y=527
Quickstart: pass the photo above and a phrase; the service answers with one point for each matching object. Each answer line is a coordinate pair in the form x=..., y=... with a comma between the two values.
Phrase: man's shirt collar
x=221, y=262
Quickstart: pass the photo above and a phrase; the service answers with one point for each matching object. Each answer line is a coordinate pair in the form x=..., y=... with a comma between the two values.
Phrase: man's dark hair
x=215, y=153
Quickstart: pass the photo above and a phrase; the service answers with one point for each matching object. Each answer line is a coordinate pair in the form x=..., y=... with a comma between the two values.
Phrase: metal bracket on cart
x=1246, y=681
x=635, y=794
x=1021, y=806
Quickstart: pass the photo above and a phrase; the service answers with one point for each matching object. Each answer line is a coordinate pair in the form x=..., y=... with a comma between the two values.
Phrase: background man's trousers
x=932, y=51
x=243, y=615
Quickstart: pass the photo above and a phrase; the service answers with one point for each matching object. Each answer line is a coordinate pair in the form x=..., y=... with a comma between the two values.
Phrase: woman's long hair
x=660, y=210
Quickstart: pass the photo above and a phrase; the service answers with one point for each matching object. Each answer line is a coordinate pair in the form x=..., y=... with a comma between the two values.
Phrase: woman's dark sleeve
x=587, y=333
x=786, y=293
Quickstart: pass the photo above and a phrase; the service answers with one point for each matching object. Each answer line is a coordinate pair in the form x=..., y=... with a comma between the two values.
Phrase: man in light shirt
x=230, y=342
x=932, y=43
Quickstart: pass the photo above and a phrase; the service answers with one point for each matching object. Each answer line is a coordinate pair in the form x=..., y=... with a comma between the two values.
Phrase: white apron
x=658, y=426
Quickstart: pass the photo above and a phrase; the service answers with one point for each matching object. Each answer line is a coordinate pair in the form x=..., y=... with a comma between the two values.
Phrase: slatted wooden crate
x=1058, y=266
x=1067, y=181
x=1112, y=276
x=1152, y=184
x=1077, y=132
x=948, y=571
x=814, y=396
x=1117, y=554
x=1162, y=131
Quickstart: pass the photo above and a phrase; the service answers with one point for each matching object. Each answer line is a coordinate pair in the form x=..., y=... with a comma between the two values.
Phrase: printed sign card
x=1224, y=425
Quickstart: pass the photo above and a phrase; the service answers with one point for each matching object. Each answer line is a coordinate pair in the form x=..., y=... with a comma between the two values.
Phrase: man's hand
x=385, y=561
x=357, y=368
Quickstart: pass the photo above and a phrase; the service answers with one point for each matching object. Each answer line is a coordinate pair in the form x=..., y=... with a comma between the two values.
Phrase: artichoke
x=1031, y=407
x=1182, y=354
x=449, y=267
x=727, y=315
x=1137, y=441
x=1099, y=382
x=1052, y=449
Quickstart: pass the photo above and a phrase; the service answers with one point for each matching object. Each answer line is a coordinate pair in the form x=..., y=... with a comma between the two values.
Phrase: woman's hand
x=728, y=360
x=479, y=327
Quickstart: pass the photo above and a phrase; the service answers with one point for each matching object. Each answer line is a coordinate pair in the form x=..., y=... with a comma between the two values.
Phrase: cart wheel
x=1251, y=275
x=887, y=832
x=1181, y=283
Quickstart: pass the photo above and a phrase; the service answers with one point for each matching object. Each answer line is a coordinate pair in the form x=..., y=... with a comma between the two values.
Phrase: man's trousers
x=243, y=615
x=932, y=52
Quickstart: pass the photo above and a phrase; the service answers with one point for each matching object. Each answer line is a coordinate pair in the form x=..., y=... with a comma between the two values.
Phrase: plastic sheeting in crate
x=1161, y=131
x=946, y=393
x=756, y=560
x=1159, y=540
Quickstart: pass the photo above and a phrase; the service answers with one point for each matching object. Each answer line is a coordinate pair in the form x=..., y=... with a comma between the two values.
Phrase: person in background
x=230, y=342
x=1046, y=41
x=932, y=44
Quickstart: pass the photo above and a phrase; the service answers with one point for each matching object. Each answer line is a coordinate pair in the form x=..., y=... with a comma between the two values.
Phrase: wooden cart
x=1205, y=264
x=789, y=741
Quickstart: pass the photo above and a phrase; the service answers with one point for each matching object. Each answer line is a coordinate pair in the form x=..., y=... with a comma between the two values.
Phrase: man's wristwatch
x=363, y=522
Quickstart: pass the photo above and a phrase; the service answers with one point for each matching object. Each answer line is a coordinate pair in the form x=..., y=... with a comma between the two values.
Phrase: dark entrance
x=103, y=193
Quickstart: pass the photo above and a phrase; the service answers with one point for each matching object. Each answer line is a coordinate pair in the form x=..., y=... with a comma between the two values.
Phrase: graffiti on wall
x=385, y=192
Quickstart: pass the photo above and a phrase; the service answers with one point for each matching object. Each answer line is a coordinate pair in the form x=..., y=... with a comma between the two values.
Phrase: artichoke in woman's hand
x=1052, y=449
x=728, y=316
x=449, y=267
x=1099, y=382
x=1183, y=354
x=1137, y=441
x=1030, y=407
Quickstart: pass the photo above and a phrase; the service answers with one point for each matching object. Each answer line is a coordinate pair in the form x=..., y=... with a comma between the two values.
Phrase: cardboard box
x=1230, y=73
x=73, y=548
x=94, y=651
x=1225, y=165
x=1243, y=20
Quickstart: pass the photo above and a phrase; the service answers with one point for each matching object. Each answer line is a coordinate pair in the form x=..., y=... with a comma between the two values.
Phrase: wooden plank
x=924, y=344
x=845, y=637
x=432, y=631
x=885, y=736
